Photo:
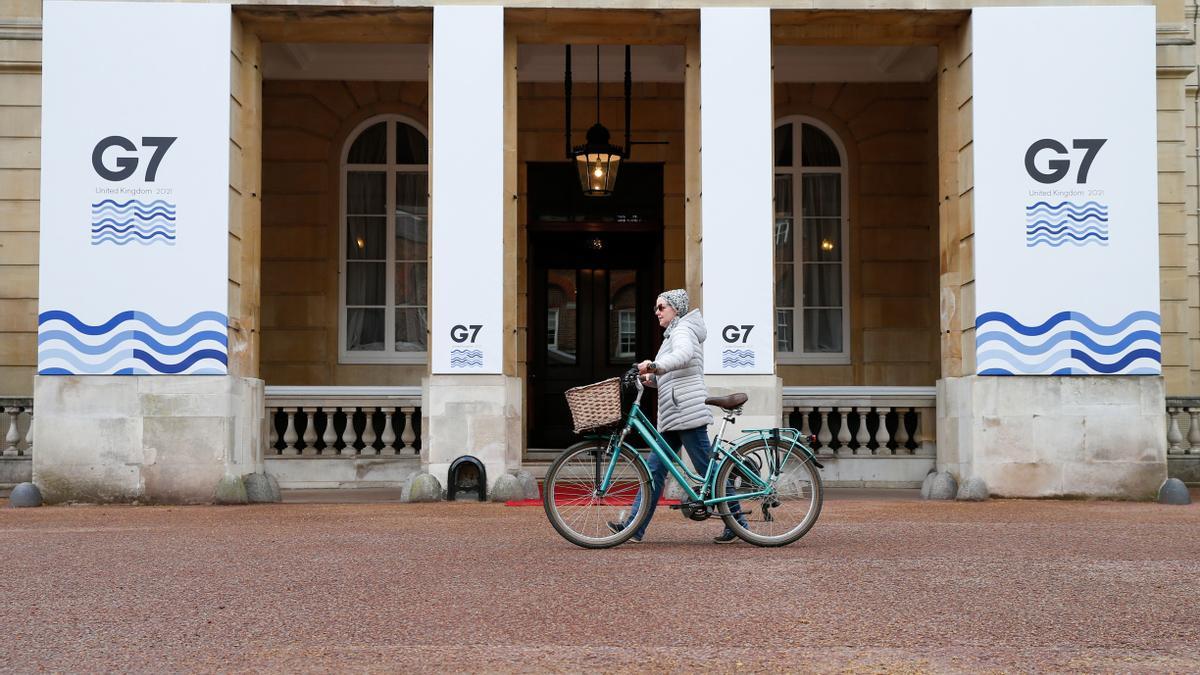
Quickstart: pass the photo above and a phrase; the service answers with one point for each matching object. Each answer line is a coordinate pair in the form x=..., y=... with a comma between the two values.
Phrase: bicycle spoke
x=573, y=499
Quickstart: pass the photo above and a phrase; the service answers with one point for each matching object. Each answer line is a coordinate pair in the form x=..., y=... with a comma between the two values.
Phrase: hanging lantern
x=597, y=160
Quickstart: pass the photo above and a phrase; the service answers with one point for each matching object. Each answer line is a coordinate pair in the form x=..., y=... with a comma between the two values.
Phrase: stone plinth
x=477, y=415
x=763, y=409
x=1054, y=436
x=160, y=438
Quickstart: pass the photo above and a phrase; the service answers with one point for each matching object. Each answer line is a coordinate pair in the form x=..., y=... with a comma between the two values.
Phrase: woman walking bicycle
x=683, y=418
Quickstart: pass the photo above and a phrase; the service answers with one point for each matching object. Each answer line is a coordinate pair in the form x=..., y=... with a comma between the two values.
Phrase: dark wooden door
x=591, y=296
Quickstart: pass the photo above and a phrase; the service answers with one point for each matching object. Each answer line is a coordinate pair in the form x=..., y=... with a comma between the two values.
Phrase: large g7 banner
x=1065, y=193
x=134, y=188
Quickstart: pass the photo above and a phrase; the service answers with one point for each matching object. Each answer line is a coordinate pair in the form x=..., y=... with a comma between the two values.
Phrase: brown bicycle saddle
x=727, y=402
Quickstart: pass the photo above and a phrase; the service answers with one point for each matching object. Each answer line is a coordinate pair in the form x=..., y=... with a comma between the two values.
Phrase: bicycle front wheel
x=575, y=505
x=782, y=511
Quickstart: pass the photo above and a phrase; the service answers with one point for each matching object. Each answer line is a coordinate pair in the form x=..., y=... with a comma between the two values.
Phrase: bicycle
x=594, y=481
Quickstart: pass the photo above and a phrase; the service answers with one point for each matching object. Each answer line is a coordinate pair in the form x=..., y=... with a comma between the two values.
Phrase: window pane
x=785, y=285
x=411, y=146
x=366, y=237
x=365, y=283
x=410, y=329
x=822, y=195
x=784, y=221
x=785, y=330
x=822, y=330
x=817, y=149
x=823, y=285
x=783, y=145
x=366, y=193
x=364, y=330
x=622, y=303
x=560, y=303
x=412, y=216
x=411, y=283
x=370, y=147
x=823, y=240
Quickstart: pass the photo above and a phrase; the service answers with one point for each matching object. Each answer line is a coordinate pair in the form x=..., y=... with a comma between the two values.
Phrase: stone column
x=473, y=403
x=736, y=210
x=1051, y=356
x=147, y=384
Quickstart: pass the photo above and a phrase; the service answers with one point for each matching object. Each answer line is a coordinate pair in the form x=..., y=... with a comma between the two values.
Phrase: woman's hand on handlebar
x=644, y=367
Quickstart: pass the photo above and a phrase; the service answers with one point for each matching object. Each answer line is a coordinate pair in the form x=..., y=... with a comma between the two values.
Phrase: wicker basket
x=595, y=406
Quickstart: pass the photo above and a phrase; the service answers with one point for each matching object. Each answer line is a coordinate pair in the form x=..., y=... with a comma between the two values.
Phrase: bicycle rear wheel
x=572, y=499
x=793, y=502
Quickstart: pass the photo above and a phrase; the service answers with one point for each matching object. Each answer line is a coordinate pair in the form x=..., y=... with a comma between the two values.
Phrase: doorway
x=594, y=274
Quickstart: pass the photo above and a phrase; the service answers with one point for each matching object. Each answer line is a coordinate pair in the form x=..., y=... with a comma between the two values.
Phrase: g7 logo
x=126, y=165
x=732, y=333
x=460, y=333
x=1060, y=167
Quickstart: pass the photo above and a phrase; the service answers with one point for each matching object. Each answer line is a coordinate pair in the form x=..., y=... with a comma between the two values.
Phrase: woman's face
x=664, y=311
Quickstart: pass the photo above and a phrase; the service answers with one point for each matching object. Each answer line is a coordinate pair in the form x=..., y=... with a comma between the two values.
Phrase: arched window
x=812, y=319
x=384, y=290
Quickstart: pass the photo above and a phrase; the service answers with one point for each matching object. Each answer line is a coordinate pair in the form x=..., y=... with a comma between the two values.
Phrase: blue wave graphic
x=123, y=242
x=132, y=342
x=133, y=221
x=1068, y=350
x=737, y=358
x=154, y=226
x=1077, y=240
x=1059, y=228
x=1079, y=217
x=131, y=315
x=143, y=214
x=1054, y=320
x=166, y=234
x=1056, y=338
x=148, y=339
x=466, y=358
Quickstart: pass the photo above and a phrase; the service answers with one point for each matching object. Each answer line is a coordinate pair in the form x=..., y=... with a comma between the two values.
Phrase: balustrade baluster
x=389, y=435
x=408, y=436
x=349, y=435
x=843, y=435
x=272, y=432
x=1193, y=436
x=882, y=437
x=329, y=435
x=824, y=436
x=862, y=436
x=289, y=434
x=902, y=432
x=29, y=434
x=12, y=436
x=1174, y=438
x=804, y=430
x=310, y=432
x=368, y=435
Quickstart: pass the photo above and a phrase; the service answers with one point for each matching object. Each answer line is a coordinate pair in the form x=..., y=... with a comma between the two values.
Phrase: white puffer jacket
x=680, y=375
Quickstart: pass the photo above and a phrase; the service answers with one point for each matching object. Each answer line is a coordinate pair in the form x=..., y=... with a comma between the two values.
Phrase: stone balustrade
x=1183, y=426
x=342, y=422
x=18, y=426
x=865, y=421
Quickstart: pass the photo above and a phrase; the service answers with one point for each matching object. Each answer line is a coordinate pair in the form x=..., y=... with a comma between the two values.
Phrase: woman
x=683, y=419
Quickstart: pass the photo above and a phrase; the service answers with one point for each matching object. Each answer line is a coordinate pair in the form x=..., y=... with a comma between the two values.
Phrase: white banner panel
x=1066, y=212
x=467, y=189
x=134, y=188
x=736, y=131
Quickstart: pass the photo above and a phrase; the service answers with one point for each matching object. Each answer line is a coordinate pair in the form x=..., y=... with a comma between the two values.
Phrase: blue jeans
x=696, y=442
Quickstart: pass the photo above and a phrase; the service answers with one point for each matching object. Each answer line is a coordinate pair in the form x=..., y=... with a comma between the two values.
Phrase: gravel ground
x=879, y=585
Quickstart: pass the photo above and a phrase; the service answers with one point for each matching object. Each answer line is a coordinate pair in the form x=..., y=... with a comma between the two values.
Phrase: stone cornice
x=20, y=29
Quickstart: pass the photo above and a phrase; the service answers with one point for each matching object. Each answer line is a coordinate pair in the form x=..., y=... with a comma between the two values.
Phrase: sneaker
x=726, y=537
x=616, y=528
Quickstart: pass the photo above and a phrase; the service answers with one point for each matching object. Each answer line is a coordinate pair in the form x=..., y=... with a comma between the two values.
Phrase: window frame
x=797, y=172
x=623, y=314
x=388, y=355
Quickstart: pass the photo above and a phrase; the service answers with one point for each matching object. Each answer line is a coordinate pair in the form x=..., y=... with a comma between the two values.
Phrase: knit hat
x=677, y=298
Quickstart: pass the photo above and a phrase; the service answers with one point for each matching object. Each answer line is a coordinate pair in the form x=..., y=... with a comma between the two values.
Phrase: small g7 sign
x=461, y=333
x=736, y=334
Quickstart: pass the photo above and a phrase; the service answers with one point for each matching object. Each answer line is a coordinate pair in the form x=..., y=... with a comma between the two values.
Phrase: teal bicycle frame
x=721, y=453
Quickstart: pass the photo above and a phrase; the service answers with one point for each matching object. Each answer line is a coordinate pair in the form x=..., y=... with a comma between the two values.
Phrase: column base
x=476, y=415
x=154, y=438
x=1055, y=436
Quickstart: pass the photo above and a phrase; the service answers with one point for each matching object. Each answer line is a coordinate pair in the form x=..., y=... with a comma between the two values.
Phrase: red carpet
x=625, y=499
